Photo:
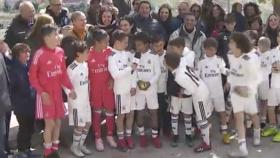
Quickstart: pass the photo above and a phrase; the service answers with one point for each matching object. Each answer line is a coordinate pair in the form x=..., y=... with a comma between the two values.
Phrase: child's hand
x=73, y=95
x=46, y=100
x=133, y=91
x=242, y=91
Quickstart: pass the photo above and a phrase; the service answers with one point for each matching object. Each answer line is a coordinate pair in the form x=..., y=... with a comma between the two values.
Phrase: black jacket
x=173, y=88
x=17, y=31
x=23, y=95
x=223, y=48
x=62, y=19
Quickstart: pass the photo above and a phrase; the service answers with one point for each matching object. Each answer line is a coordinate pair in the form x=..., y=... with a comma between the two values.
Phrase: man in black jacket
x=21, y=25
x=59, y=13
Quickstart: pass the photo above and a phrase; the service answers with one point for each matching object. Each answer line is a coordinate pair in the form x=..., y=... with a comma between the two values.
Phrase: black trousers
x=7, y=120
x=163, y=115
x=25, y=131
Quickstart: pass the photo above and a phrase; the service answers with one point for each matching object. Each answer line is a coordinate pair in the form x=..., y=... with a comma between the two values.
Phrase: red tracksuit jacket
x=48, y=74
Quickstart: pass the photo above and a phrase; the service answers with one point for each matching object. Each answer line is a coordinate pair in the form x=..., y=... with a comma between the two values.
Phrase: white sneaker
x=99, y=144
x=111, y=141
x=76, y=151
x=238, y=154
x=85, y=150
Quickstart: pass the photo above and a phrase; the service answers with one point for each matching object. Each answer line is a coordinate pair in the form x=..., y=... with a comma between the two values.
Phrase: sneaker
x=226, y=138
x=130, y=143
x=21, y=155
x=189, y=140
x=122, y=145
x=112, y=142
x=85, y=150
x=156, y=142
x=175, y=140
x=276, y=138
x=271, y=131
x=76, y=151
x=143, y=141
x=99, y=144
x=238, y=154
x=202, y=147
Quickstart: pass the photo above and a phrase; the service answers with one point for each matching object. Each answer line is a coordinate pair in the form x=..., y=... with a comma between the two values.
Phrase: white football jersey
x=255, y=55
x=119, y=65
x=265, y=59
x=210, y=70
x=275, y=77
x=78, y=75
x=243, y=72
x=162, y=81
x=188, y=57
x=148, y=70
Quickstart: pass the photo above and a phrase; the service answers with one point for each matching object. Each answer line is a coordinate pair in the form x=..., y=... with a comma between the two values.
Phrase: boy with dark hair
x=210, y=70
x=148, y=73
x=101, y=86
x=48, y=75
x=23, y=98
x=79, y=109
x=179, y=101
x=121, y=68
x=193, y=85
x=158, y=44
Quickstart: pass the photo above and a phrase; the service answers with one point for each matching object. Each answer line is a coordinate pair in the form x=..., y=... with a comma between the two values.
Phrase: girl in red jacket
x=48, y=75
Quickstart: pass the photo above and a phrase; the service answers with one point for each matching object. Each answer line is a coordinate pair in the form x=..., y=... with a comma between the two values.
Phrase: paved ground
x=267, y=150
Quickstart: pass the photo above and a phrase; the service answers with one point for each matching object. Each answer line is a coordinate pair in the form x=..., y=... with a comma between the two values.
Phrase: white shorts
x=242, y=104
x=125, y=103
x=218, y=104
x=149, y=99
x=183, y=105
x=79, y=116
x=274, y=97
x=202, y=107
x=263, y=90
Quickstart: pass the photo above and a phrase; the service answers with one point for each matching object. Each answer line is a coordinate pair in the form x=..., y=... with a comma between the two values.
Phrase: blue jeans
x=2, y=136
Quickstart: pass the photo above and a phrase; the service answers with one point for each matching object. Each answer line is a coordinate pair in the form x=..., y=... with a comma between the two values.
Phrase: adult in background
x=5, y=102
x=215, y=22
x=145, y=23
x=251, y=10
x=59, y=13
x=197, y=11
x=166, y=19
x=237, y=9
x=193, y=37
x=93, y=12
x=272, y=27
x=124, y=7
x=21, y=25
x=107, y=20
x=135, y=5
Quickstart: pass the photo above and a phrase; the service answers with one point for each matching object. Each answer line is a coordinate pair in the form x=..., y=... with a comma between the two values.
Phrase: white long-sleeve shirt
x=148, y=70
x=119, y=65
x=162, y=81
x=210, y=70
x=275, y=77
x=78, y=75
x=265, y=59
x=243, y=72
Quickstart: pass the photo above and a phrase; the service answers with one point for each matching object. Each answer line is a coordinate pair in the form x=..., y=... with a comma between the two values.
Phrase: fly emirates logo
x=100, y=68
x=57, y=71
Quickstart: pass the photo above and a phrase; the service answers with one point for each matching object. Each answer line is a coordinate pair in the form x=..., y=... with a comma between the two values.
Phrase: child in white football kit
x=242, y=79
x=121, y=69
x=263, y=88
x=148, y=72
x=210, y=70
x=274, y=94
x=194, y=86
x=158, y=43
x=180, y=102
x=79, y=109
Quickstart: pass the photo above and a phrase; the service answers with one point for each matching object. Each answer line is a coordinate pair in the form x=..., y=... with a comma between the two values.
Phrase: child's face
x=52, y=40
x=123, y=43
x=141, y=46
x=158, y=47
x=175, y=49
x=24, y=57
x=103, y=44
x=230, y=26
x=232, y=46
x=210, y=51
x=262, y=48
x=83, y=56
